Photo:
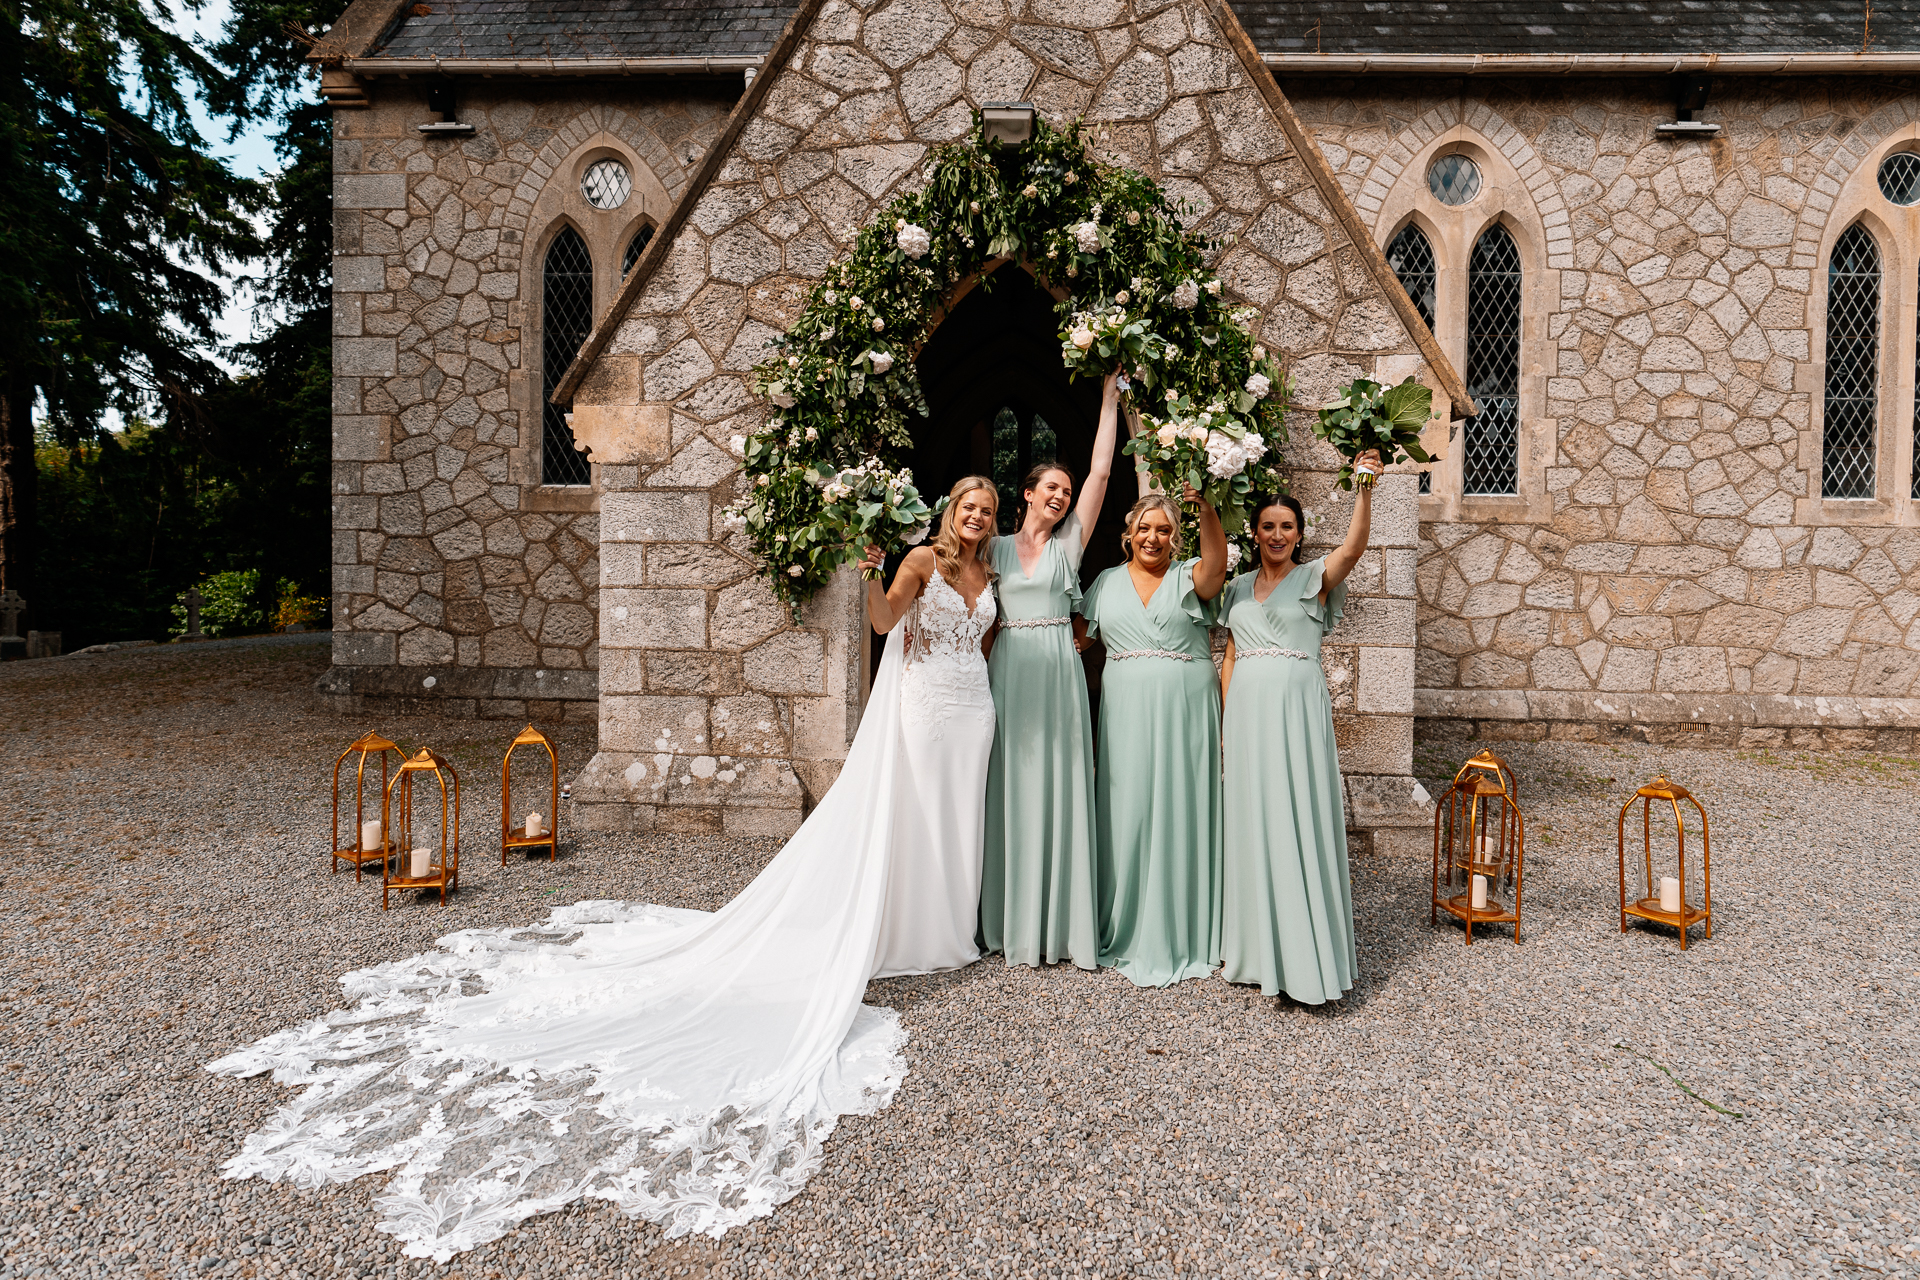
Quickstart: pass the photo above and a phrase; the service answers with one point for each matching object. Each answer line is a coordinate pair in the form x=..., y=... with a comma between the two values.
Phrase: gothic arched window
x=566, y=316
x=636, y=247
x=1853, y=366
x=1490, y=440
x=1411, y=257
x=1021, y=438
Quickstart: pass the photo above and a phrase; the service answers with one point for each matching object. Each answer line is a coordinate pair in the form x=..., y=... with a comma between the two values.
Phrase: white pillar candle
x=1486, y=848
x=533, y=824
x=1669, y=894
x=370, y=836
x=421, y=864
x=1479, y=893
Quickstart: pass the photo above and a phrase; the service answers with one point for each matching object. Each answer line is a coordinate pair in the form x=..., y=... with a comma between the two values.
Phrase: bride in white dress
x=687, y=1066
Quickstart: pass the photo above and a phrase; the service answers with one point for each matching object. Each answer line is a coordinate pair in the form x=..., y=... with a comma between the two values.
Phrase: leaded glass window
x=1020, y=439
x=636, y=247
x=606, y=184
x=1853, y=366
x=566, y=316
x=1490, y=440
x=1900, y=178
x=1411, y=257
x=1454, y=179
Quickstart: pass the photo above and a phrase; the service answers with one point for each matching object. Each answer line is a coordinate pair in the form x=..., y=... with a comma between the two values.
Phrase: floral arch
x=1136, y=293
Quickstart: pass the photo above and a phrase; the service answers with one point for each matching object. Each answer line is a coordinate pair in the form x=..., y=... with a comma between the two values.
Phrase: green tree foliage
x=115, y=224
x=234, y=480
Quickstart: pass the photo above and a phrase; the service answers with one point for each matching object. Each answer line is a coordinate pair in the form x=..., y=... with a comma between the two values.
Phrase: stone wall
x=1669, y=569
x=716, y=713
x=458, y=579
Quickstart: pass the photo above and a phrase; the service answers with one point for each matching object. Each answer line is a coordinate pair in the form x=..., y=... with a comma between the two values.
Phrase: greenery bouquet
x=1370, y=416
x=869, y=505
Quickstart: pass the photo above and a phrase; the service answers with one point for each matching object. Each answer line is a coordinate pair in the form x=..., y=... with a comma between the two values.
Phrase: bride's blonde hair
x=1152, y=502
x=946, y=543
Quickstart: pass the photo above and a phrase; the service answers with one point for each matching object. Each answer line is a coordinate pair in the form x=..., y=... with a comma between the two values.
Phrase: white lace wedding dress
x=687, y=1066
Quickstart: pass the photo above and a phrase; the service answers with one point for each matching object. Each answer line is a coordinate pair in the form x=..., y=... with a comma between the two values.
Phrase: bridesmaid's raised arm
x=1341, y=559
x=1094, y=492
x=1210, y=575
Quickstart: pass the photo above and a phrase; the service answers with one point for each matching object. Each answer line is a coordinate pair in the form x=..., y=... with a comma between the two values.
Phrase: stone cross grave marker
x=12, y=605
x=194, y=600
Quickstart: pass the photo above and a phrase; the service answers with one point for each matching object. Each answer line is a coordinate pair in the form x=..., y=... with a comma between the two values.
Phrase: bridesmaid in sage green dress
x=1288, y=906
x=1158, y=790
x=1037, y=885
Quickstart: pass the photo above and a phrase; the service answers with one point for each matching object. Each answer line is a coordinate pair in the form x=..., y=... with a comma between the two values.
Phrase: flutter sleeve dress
x=1157, y=794
x=1037, y=885
x=1288, y=916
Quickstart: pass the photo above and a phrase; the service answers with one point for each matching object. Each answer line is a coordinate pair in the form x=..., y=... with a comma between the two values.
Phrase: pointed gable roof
x=861, y=97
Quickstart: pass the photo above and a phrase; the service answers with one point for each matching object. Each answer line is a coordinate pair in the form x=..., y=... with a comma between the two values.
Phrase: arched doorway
x=999, y=400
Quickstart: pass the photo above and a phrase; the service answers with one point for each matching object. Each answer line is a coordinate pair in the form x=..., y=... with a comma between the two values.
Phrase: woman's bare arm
x=885, y=608
x=1342, y=559
x=1093, y=494
x=1226, y=672
x=1210, y=575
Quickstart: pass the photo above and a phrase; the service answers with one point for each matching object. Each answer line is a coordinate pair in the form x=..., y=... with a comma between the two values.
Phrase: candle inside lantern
x=1669, y=894
x=421, y=864
x=1479, y=893
x=370, y=836
x=1486, y=848
x=533, y=825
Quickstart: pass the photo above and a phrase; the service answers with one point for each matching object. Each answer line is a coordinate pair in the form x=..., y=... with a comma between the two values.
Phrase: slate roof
x=589, y=29
x=1577, y=26
x=717, y=28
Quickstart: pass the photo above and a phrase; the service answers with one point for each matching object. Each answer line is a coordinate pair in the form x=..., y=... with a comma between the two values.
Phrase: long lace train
x=687, y=1066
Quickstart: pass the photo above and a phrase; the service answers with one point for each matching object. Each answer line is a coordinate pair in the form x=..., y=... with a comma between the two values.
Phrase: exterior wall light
x=1007, y=122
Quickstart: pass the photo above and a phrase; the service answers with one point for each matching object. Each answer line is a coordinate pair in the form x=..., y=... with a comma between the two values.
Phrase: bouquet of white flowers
x=1110, y=335
x=1211, y=448
x=868, y=505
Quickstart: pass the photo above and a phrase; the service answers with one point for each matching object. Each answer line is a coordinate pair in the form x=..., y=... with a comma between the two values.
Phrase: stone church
x=1659, y=262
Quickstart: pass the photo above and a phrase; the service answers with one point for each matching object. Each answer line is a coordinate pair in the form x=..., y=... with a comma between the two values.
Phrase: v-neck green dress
x=1288, y=917
x=1158, y=789
x=1037, y=903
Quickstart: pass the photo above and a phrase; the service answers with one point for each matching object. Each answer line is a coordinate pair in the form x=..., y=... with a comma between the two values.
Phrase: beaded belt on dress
x=1034, y=622
x=1274, y=651
x=1114, y=655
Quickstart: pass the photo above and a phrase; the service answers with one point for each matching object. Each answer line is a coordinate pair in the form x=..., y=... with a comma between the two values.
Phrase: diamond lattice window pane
x=1853, y=366
x=606, y=184
x=1900, y=177
x=635, y=247
x=1411, y=258
x=1454, y=179
x=566, y=316
x=1490, y=440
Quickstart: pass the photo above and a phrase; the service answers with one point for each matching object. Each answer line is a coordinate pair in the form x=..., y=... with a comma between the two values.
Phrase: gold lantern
x=526, y=836
x=1666, y=902
x=435, y=865
x=367, y=841
x=1479, y=838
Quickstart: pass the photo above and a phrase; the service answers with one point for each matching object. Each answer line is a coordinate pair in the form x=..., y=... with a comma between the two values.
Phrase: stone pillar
x=718, y=713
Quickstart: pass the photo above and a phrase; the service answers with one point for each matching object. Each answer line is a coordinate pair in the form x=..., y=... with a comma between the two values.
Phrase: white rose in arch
x=1258, y=386
x=1186, y=295
x=1082, y=337
x=739, y=445
x=913, y=240
x=794, y=571
x=1233, y=556
x=1087, y=236
x=1167, y=435
x=882, y=360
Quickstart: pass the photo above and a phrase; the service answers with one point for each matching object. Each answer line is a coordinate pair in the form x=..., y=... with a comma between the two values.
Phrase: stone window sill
x=1509, y=508
x=1845, y=511
x=571, y=497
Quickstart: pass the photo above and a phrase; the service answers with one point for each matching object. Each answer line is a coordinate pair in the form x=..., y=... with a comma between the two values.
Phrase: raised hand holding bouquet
x=870, y=506
x=1370, y=416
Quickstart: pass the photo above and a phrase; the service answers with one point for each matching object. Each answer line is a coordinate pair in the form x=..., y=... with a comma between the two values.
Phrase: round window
x=1900, y=177
x=605, y=184
x=1454, y=179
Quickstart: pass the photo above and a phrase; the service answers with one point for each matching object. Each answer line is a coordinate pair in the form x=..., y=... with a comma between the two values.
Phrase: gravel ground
x=1465, y=1111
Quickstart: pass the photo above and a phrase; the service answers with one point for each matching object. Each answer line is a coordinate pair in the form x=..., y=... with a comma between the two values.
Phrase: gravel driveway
x=1466, y=1111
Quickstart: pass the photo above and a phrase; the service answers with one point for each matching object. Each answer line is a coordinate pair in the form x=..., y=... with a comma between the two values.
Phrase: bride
x=687, y=1066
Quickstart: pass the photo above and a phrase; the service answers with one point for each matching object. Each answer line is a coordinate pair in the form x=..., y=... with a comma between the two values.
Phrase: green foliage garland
x=1139, y=297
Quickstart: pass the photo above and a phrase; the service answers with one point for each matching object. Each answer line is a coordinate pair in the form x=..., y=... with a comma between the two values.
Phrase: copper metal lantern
x=369, y=840
x=1665, y=901
x=529, y=833
x=1479, y=841
x=423, y=858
